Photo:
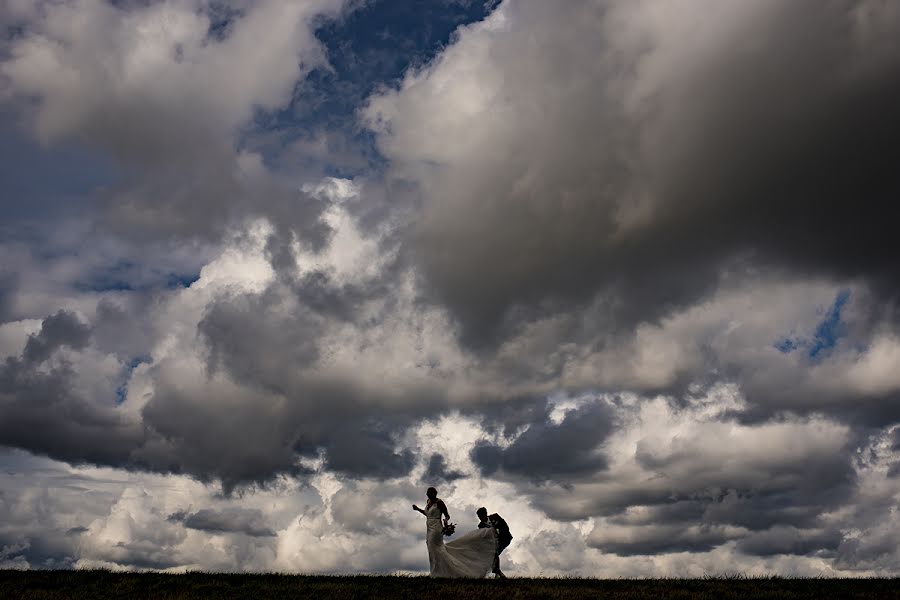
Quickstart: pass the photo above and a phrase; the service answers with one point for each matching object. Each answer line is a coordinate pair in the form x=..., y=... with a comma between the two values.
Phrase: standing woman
x=470, y=555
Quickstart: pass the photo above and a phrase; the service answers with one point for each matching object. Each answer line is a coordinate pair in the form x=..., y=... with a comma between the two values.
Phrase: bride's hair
x=431, y=492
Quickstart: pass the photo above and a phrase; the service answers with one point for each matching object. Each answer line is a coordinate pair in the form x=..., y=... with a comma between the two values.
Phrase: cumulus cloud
x=738, y=473
x=144, y=521
x=48, y=401
x=61, y=329
x=239, y=520
x=437, y=470
x=553, y=451
x=168, y=102
x=634, y=149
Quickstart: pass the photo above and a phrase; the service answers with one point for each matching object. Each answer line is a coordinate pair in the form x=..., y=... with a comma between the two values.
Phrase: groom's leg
x=501, y=546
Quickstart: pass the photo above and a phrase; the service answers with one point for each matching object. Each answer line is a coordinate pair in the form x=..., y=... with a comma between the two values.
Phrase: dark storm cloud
x=257, y=338
x=437, y=471
x=38, y=551
x=225, y=434
x=894, y=470
x=778, y=143
x=62, y=329
x=42, y=410
x=766, y=483
x=265, y=402
x=229, y=520
x=776, y=526
x=756, y=505
x=271, y=342
x=547, y=450
x=209, y=433
x=866, y=410
x=320, y=293
x=788, y=540
x=661, y=539
x=701, y=490
x=7, y=295
x=43, y=414
x=877, y=550
x=244, y=435
x=274, y=343
x=511, y=417
x=367, y=453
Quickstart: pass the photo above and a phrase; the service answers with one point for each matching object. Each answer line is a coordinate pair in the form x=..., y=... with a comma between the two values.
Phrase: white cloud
x=163, y=74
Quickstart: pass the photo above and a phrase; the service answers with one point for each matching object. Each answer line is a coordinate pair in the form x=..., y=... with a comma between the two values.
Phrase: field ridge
x=99, y=584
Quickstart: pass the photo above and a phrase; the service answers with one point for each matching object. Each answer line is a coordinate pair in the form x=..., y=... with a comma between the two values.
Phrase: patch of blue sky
x=368, y=48
x=826, y=335
x=178, y=281
x=127, y=275
x=127, y=369
x=831, y=328
x=788, y=344
x=221, y=17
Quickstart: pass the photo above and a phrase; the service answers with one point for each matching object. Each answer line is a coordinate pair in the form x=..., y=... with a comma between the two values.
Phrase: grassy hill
x=73, y=585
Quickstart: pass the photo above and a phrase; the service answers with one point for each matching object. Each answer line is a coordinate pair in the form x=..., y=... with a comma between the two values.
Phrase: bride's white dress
x=469, y=555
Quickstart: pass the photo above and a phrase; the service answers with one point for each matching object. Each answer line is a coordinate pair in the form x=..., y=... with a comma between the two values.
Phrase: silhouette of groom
x=503, y=535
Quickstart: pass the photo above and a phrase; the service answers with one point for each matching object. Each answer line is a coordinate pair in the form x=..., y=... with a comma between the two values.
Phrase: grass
x=73, y=585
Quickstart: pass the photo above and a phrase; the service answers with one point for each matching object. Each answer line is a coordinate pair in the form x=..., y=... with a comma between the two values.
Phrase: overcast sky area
x=625, y=272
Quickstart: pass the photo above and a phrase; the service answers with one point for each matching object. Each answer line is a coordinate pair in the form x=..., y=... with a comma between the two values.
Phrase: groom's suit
x=504, y=537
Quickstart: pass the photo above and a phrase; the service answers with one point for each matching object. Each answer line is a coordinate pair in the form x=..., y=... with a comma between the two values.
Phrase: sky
x=624, y=272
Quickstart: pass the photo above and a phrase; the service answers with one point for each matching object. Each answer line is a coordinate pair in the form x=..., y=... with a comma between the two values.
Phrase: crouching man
x=503, y=535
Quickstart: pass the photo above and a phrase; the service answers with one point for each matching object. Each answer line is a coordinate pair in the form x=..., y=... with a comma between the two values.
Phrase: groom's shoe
x=499, y=574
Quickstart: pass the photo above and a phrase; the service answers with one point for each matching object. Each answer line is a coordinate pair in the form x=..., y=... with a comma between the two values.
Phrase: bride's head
x=431, y=493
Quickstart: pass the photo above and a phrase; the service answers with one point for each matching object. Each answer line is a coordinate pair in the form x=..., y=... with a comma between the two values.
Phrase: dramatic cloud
x=57, y=407
x=178, y=82
x=250, y=522
x=61, y=329
x=437, y=471
x=552, y=451
x=635, y=149
x=622, y=271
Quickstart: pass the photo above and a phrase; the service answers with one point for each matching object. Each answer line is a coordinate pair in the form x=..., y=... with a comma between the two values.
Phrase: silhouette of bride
x=470, y=555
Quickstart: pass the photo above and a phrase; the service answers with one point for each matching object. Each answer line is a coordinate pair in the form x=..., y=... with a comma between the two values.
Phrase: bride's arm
x=443, y=508
x=417, y=509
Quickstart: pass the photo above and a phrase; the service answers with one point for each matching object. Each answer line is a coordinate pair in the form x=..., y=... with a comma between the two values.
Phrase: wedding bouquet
x=449, y=528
